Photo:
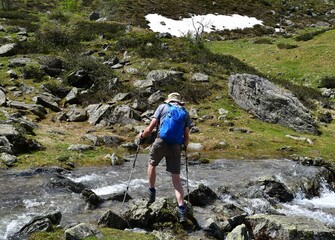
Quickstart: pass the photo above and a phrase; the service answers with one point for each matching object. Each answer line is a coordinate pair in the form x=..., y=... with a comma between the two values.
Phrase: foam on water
x=121, y=187
x=208, y=23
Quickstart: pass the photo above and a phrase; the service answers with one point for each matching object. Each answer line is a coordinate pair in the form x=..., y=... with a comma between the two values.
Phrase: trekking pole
x=188, y=189
x=131, y=173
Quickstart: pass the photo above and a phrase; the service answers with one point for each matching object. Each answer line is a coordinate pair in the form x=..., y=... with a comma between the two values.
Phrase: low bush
x=87, y=31
x=310, y=35
x=286, y=46
x=327, y=82
x=263, y=41
x=32, y=72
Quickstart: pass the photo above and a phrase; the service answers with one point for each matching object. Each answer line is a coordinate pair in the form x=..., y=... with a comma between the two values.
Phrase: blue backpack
x=172, y=128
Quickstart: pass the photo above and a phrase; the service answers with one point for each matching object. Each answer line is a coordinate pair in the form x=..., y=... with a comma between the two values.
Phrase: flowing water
x=24, y=195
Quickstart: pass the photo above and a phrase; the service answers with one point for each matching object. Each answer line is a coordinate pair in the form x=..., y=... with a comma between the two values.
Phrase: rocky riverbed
x=264, y=197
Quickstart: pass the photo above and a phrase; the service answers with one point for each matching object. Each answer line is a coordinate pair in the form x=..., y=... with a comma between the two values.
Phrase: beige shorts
x=171, y=152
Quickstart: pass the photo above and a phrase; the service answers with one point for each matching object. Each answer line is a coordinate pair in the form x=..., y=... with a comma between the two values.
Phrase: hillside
x=59, y=39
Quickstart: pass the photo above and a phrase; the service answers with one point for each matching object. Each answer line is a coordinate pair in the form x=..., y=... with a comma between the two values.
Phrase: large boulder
x=156, y=215
x=36, y=109
x=164, y=77
x=270, y=103
x=202, y=196
x=13, y=141
x=48, y=100
x=112, y=220
x=80, y=79
x=60, y=182
x=97, y=112
x=288, y=227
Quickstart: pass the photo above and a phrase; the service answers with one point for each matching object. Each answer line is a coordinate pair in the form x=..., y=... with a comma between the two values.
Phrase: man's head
x=174, y=97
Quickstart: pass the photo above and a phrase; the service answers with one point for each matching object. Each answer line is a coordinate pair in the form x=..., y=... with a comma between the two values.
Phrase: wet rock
x=288, y=227
x=202, y=196
x=270, y=103
x=92, y=200
x=239, y=233
x=81, y=231
x=38, y=224
x=154, y=216
x=64, y=183
x=277, y=190
x=112, y=220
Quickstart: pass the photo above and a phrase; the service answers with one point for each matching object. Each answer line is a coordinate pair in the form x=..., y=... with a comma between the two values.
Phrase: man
x=171, y=152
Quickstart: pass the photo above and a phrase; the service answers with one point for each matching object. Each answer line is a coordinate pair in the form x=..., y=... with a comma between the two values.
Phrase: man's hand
x=140, y=139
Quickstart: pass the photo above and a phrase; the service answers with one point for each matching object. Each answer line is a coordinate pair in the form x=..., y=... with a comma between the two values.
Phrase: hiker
x=164, y=147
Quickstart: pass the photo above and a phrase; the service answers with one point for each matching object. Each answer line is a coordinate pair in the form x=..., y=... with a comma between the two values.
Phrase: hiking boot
x=182, y=214
x=151, y=195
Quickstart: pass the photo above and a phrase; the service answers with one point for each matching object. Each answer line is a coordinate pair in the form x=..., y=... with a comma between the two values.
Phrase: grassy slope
x=306, y=64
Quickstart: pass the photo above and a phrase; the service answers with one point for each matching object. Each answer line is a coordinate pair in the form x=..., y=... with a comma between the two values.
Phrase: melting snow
x=199, y=23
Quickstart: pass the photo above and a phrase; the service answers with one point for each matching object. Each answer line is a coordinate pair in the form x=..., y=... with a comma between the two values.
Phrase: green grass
x=109, y=233
x=305, y=65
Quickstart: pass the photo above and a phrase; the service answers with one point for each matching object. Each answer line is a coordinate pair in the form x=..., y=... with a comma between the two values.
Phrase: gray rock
x=80, y=147
x=164, y=77
x=123, y=114
x=238, y=233
x=92, y=200
x=202, y=196
x=37, y=109
x=76, y=115
x=270, y=103
x=215, y=229
x=59, y=181
x=7, y=49
x=8, y=130
x=19, y=62
x=156, y=97
x=72, y=96
x=144, y=85
x=94, y=16
x=8, y=159
x=49, y=101
x=3, y=98
x=195, y=146
x=112, y=220
x=121, y=97
x=80, y=79
x=140, y=105
x=200, y=77
x=5, y=145
x=12, y=74
x=193, y=113
x=38, y=224
x=81, y=231
x=97, y=112
x=117, y=66
x=288, y=227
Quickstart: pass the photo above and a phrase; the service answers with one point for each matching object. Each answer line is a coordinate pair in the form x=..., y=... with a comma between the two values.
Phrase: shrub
x=32, y=72
x=263, y=41
x=87, y=31
x=327, y=82
x=310, y=35
x=286, y=46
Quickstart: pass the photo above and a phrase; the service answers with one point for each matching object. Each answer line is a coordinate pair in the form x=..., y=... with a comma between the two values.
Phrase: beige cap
x=174, y=97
